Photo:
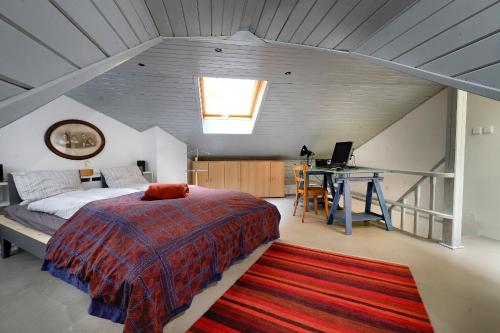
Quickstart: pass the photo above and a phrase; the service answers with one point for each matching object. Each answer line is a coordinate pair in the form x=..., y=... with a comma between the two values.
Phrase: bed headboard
x=14, y=197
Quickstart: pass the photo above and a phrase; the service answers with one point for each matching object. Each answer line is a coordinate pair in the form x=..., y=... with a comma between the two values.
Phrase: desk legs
x=347, y=207
x=383, y=207
x=336, y=200
x=344, y=189
x=368, y=200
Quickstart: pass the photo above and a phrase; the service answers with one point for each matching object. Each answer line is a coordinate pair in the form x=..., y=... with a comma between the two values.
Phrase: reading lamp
x=304, y=151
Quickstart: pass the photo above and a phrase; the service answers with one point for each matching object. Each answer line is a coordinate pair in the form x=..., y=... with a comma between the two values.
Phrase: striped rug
x=296, y=289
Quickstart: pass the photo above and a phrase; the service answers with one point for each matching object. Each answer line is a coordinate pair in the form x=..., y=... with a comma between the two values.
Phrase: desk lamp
x=304, y=151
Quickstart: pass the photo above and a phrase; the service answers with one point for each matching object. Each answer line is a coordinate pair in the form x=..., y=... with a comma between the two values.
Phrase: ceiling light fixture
x=218, y=50
x=141, y=64
x=288, y=73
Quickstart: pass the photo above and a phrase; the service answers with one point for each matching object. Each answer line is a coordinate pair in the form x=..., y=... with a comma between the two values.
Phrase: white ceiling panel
x=326, y=98
x=26, y=61
x=133, y=19
x=7, y=90
x=86, y=15
x=117, y=20
x=45, y=23
x=43, y=40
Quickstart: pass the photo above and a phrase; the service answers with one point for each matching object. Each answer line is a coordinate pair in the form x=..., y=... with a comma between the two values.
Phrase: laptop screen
x=341, y=153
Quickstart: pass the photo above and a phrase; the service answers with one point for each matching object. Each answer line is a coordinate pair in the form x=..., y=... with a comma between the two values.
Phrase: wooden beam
x=457, y=83
x=454, y=162
x=20, y=105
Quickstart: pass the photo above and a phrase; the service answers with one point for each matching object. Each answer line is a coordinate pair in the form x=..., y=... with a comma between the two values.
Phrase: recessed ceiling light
x=218, y=50
x=288, y=73
x=141, y=64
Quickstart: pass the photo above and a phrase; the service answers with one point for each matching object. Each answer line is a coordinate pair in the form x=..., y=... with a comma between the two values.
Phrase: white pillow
x=41, y=184
x=125, y=176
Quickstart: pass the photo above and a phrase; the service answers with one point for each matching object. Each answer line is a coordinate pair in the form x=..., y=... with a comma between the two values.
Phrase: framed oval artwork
x=74, y=139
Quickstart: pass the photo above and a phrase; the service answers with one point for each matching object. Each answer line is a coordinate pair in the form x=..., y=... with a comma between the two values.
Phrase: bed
x=142, y=262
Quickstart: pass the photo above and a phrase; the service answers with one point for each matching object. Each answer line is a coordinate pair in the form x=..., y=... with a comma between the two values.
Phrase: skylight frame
x=257, y=96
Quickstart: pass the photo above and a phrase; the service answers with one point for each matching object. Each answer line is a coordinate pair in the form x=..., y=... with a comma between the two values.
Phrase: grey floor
x=461, y=289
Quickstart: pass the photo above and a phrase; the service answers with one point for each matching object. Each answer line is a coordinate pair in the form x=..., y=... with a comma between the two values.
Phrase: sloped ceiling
x=452, y=42
x=42, y=40
x=456, y=41
x=327, y=98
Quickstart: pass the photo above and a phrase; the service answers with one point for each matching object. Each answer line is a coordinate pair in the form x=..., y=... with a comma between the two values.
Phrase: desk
x=343, y=179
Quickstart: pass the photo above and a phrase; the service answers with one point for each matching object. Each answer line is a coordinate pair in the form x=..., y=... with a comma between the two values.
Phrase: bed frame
x=12, y=232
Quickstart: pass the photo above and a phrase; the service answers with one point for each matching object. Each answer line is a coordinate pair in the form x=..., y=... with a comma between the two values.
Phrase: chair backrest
x=299, y=170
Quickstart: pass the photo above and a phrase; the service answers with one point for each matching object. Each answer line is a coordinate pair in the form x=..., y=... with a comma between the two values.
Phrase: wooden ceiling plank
x=280, y=18
x=160, y=17
x=205, y=13
x=435, y=24
x=390, y=10
x=487, y=76
x=330, y=21
x=190, y=9
x=227, y=17
x=19, y=105
x=88, y=19
x=469, y=58
x=356, y=17
x=114, y=16
x=7, y=90
x=238, y=16
x=295, y=19
x=130, y=14
x=312, y=20
x=217, y=13
x=270, y=8
x=421, y=10
x=26, y=61
x=51, y=28
x=145, y=17
x=246, y=21
x=483, y=24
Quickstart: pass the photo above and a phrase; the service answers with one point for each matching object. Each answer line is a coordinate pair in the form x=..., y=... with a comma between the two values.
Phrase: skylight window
x=230, y=106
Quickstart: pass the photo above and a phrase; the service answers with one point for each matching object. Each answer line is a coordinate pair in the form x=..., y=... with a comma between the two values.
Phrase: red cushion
x=166, y=191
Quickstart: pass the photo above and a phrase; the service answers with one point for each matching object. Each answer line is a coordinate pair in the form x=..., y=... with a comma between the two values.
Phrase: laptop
x=341, y=155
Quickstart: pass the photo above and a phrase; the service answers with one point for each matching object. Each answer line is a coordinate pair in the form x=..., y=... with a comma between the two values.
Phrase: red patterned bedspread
x=142, y=262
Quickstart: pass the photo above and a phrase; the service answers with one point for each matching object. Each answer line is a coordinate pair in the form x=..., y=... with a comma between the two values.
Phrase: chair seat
x=315, y=189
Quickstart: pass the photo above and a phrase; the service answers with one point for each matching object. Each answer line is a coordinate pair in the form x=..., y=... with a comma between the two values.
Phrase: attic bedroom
x=249, y=166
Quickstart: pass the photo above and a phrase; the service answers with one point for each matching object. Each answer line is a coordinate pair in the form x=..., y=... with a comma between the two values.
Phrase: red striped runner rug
x=296, y=289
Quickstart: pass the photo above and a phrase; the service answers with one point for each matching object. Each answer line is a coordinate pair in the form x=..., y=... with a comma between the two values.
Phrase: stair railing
x=416, y=190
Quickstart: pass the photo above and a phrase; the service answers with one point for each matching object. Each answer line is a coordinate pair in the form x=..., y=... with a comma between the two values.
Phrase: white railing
x=415, y=191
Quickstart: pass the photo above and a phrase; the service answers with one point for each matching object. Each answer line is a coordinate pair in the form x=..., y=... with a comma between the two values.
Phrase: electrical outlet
x=477, y=130
x=488, y=130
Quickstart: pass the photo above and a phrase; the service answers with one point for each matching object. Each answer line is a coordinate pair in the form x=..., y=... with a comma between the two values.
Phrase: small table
x=343, y=178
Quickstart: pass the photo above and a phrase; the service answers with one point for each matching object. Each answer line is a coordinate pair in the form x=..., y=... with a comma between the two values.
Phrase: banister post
x=454, y=162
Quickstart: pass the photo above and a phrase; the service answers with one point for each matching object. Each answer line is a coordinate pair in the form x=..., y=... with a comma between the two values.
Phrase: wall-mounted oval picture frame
x=74, y=139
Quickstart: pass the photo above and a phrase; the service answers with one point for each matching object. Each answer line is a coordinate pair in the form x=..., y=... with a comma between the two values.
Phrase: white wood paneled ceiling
x=327, y=98
x=452, y=42
x=457, y=39
x=42, y=40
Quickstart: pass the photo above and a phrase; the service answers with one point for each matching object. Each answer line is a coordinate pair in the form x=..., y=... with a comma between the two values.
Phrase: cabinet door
x=277, y=182
x=255, y=177
x=202, y=175
x=216, y=174
x=232, y=176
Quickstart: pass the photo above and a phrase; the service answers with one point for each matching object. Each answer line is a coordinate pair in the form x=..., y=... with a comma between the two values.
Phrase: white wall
x=415, y=142
x=22, y=145
x=162, y=150
x=482, y=165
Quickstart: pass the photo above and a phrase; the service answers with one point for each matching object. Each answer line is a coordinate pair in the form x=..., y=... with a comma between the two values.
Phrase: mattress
x=43, y=222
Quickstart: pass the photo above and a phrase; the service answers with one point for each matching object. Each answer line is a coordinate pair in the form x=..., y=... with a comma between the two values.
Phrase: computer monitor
x=341, y=153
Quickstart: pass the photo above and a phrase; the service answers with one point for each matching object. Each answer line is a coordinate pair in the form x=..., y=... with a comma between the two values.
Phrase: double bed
x=141, y=262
